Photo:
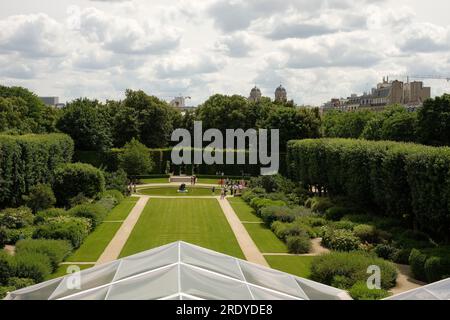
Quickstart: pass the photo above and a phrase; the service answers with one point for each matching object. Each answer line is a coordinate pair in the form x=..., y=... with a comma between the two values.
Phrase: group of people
x=234, y=187
x=194, y=180
x=132, y=187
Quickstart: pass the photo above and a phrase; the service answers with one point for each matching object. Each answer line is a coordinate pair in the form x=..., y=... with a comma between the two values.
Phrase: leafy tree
x=154, y=118
x=135, y=159
x=293, y=123
x=434, y=121
x=338, y=124
x=87, y=124
x=41, y=197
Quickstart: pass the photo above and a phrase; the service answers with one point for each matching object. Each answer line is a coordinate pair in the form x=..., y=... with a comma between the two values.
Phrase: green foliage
x=22, y=112
x=5, y=269
x=437, y=268
x=116, y=194
x=366, y=233
x=298, y=244
x=19, y=283
x=434, y=121
x=77, y=178
x=29, y=160
x=85, y=122
x=72, y=229
x=134, y=159
x=359, y=291
x=335, y=213
x=353, y=266
x=337, y=124
x=398, y=178
x=16, y=218
x=340, y=239
x=321, y=205
x=5, y=290
x=56, y=250
x=94, y=212
x=417, y=262
x=32, y=265
x=259, y=203
x=386, y=251
x=116, y=181
x=41, y=197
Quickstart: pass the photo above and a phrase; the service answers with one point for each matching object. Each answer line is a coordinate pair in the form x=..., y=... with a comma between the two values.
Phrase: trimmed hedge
x=399, y=178
x=29, y=160
x=73, y=179
x=94, y=212
x=430, y=264
x=32, y=265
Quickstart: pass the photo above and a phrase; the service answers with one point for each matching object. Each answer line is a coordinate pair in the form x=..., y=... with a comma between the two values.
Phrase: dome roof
x=280, y=89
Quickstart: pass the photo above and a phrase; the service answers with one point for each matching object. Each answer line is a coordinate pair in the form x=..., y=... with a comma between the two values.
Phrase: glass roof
x=179, y=271
x=436, y=291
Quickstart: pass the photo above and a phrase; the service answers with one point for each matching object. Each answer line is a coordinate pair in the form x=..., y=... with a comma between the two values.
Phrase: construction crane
x=422, y=77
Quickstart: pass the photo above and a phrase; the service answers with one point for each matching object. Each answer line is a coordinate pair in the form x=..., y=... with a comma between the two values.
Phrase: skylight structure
x=179, y=271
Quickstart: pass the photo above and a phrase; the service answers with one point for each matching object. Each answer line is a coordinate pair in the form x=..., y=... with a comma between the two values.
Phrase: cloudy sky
x=318, y=49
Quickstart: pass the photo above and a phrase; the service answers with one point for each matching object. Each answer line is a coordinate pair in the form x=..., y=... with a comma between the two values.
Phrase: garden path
x=405, y=282
x=248, y=246
x=116, y=245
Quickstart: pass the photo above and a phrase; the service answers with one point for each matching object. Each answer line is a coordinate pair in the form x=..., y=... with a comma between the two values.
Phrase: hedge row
x=162, y=163
x=28, y=160
x=403, y=180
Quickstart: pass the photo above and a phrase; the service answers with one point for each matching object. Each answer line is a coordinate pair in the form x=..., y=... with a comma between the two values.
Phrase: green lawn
x=299, y=266
x=172, y=191
x=197, y=221
x=121, y=211
x=62, y=270
x=154, y=180
x=265, y=239
x=243, y=210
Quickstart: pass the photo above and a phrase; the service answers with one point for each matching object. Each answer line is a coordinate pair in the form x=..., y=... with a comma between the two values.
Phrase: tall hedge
x=161, y=159
x=400, y=179
x=28, y=160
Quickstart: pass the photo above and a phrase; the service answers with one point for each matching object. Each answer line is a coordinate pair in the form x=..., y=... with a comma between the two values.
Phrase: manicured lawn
x=265, y=239
x=172, y=191
x=94, y=245
x=121, y=211
x=299, y=266
x=197, y=221
x=62, y=270
x=243, y=210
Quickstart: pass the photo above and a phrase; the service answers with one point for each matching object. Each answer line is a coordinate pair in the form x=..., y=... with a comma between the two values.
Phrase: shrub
x=359, y=291
x=5, y=290
x=312, y=221
x=74, y=179
x=321, y=205
x=437, y=268
x=335, y=213
x=49, y=213
x=402, y=256
x=41, y=197
x=298, y=244
x=259, y=203
x=19, y=283
x=3, y=236
x=115, y=194
x=64, y=228
x=386, y=251
x=271, y=214
x=340, y=240
x=366, y=233
x=16, y=218
x=353, y=266
x=107, y=202
x=14, y=235
x=417, y=262
x=117, y=180
x=134, y=159
x=32, y=265
x=346, y=225
x=56, y=250
x=94, y=212
x=5, y=269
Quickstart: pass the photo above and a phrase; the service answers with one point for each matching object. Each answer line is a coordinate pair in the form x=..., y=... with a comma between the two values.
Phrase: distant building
x=255, y=95
x=280, y=94
x=52, y=101
x=411, y=95
x=180, y=103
